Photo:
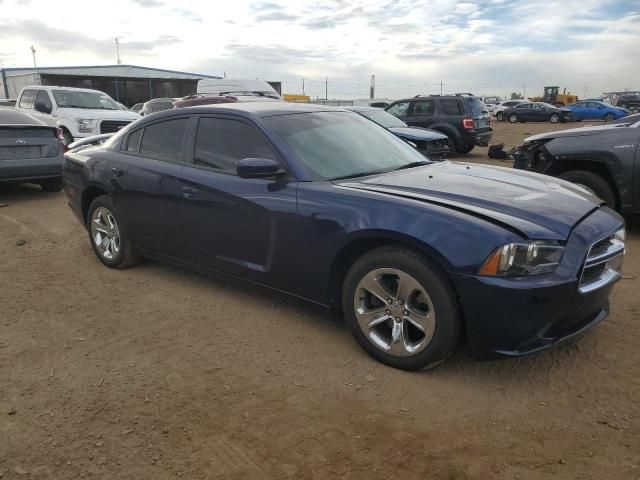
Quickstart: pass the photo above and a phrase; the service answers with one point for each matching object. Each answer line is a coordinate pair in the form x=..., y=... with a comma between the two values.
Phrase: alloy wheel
x=394, y=312
x=554, y=118
x=513, y=118
x=105, y=233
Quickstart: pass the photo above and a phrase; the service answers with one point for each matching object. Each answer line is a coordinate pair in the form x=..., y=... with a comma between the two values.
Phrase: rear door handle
x=189, y=193
x=118, y=172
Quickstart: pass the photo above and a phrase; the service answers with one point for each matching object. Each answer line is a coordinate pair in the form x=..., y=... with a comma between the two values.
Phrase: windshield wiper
x=419, y=163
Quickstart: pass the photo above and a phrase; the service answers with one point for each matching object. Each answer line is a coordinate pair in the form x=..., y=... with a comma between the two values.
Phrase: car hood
x=536, y=206
x=575, y=132
x=417, y=133
x=98, y=114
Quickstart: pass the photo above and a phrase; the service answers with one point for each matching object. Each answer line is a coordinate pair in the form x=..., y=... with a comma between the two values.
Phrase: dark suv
x=463, y=118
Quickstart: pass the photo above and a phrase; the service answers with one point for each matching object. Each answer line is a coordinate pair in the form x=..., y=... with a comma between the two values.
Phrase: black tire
x=446, y=310
x=609, y=117
x=68, y=138
x=594, y=182
x=499, y=116
x=554, y=118
x=465, y=149
x=124, y=257
x=513, y=118
x=52, y=185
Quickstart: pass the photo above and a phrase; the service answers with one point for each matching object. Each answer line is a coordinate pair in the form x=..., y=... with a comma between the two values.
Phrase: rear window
x=476, y=106
x=27, y=99
x=451, y=106
x=163, y=140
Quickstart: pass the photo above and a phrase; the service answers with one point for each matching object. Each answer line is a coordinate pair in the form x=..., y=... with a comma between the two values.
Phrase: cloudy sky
x=488, y=47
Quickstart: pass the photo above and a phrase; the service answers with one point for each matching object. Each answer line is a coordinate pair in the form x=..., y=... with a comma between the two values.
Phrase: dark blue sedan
x=326, y=206
x=597, y=110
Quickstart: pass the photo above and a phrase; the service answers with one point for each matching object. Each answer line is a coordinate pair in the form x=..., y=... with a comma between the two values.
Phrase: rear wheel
x=513, y=118
x=593, y=183
x=465, y=149
x=609, y=117
x=52, y=185
x=109, y=240
x=401, y=308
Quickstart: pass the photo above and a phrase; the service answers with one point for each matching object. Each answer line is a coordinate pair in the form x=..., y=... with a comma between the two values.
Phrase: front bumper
x=518, y=316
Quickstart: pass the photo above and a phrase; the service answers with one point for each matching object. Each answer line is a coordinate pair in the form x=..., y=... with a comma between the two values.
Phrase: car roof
x=56, y=87
x=257, y=109
x=14, y=117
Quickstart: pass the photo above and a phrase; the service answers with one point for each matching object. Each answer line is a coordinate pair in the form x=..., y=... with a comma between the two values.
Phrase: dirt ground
x=158, y=373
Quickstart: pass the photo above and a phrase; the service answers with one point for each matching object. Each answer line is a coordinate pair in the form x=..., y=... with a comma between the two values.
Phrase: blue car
x=597, y=110
x=323, y=205
x=433, y=144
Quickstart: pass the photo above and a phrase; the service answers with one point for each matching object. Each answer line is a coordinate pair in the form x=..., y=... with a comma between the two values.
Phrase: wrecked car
x=599, y=158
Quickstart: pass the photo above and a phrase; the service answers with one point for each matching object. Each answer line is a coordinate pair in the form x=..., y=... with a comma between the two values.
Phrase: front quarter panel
x=331, y=217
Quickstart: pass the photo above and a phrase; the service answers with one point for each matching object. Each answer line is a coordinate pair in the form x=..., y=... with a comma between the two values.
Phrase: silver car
x=30, y=151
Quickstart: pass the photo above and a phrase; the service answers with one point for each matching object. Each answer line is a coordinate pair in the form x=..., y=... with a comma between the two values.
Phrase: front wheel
x=554, y=118
x=108, y=237
x=513, y=118
x=499, y=116
x=401, y=308
x=593, y=183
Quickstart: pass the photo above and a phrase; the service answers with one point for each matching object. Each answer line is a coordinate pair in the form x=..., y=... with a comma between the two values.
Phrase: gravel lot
x=158, y=373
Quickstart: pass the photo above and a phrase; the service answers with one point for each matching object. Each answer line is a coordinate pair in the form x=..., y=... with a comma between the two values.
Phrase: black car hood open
x=417, y=134
x=537, y=206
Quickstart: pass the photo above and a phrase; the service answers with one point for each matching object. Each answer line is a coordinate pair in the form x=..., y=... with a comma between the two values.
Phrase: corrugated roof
x=120, y=71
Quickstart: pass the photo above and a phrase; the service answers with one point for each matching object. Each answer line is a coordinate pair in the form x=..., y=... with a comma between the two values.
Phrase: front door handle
x=118, y=172
x=189, y=193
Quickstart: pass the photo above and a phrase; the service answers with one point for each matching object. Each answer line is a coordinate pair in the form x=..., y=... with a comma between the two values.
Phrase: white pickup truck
x=79, y=112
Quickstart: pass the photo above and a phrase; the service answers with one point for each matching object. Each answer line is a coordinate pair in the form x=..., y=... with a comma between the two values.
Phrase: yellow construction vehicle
x=552, y=96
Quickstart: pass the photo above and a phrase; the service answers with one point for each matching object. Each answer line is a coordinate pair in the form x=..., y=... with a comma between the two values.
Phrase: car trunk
x=20, y=142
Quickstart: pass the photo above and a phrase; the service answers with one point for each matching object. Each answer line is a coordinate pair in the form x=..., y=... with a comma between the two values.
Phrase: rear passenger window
x=27, y=99
x=163, y=140
x=133, y=141
x=451, y=107
x=221, y=142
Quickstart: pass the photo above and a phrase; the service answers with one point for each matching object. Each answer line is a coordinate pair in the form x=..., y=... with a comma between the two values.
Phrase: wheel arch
x=366, y=241
x=89, y=195
x=447, y=130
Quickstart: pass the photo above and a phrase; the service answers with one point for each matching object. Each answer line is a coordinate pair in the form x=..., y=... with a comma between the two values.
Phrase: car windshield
x=80, y=99
x=334, y=145
x=383, y=118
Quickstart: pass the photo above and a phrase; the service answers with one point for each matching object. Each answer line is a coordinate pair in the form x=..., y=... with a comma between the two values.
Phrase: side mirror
x=42, y=108
x=257, y=168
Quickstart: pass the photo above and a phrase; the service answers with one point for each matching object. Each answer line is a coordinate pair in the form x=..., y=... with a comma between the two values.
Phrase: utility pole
x=524, y=89
x=441, y=87
x=117, y=51
x=372, y=88
x=326, y=88
x=33, y=53
x=303, y=86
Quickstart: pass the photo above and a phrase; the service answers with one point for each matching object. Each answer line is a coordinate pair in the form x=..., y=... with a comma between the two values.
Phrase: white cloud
x=489, y=47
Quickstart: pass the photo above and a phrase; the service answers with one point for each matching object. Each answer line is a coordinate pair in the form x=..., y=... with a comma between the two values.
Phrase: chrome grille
x=603, y=263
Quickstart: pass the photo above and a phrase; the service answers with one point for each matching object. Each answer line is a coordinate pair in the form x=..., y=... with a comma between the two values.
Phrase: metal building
x=127, y=84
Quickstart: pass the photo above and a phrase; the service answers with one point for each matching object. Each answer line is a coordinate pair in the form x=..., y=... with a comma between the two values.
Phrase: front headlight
x=85, y=125
x=523, y=258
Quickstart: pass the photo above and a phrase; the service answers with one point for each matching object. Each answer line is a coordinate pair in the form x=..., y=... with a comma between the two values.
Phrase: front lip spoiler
x=542, y=343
